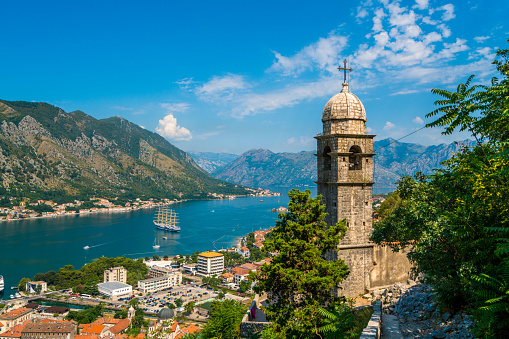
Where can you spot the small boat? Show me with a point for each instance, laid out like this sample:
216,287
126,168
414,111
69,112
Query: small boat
165,238
11,296
156,246
213,211
86,247
17,295
261,200
14,287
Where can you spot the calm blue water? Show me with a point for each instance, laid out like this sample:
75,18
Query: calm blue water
32,246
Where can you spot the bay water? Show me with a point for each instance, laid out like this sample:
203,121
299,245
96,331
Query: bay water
28,247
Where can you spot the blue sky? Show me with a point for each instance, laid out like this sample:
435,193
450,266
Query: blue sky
229,76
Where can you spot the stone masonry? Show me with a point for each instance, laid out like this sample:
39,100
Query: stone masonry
345,180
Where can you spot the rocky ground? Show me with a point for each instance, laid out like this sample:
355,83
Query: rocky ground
418,315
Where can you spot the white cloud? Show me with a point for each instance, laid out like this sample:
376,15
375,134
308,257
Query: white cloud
322,55
422,4
448,12
389,125
302,140
481,39
169,128
407,91
142,126
418,121
369,130
221,87
253,103
185,83
362,13
178,107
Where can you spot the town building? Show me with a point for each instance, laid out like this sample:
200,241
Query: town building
15,317
240,274
158,271
226,277
31,286
49,330
160,283
345,181
116,274
244,251
114,290
190,268
210,263
14,332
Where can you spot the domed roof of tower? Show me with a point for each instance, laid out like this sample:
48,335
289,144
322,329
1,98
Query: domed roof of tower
344,105
165,313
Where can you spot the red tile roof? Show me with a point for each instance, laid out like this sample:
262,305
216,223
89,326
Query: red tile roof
15,313
14,332
92,329
120,326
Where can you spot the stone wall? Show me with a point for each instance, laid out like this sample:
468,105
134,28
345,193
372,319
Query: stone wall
389,267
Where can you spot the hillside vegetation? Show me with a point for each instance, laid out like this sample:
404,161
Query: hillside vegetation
46,153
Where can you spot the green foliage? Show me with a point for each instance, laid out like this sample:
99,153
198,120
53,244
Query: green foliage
179,302
122,314
225,319
233,258
457,218
244,285
189,307
155,257
211,281
386,208
86,316
92,273
22,284
300,279
493,306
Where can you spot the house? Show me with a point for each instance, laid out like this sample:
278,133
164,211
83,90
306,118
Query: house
91,329
32,286
227,277
63,311
15,317
251,267
190,268
210,264
14,332
114,289
245,252
49,330
240,274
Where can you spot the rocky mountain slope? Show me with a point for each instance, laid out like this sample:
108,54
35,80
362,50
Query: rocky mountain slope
263,168
47,152
211,161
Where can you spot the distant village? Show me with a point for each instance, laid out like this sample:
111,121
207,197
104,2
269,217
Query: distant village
27,210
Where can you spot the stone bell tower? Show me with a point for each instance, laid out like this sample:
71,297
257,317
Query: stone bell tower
345,180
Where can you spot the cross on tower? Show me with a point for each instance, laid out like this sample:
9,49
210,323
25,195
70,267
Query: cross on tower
344,69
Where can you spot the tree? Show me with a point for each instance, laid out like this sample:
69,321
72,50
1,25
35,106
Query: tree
190,307
224,321
171,306
122,314
220,295
244,285
155,257
299,280
22,284
165,257
457,219
179,302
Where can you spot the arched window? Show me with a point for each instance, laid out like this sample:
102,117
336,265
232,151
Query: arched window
327,160
355,158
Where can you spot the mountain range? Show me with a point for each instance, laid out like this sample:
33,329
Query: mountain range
263,168
48,153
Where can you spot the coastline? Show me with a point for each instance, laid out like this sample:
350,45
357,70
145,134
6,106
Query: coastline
125,209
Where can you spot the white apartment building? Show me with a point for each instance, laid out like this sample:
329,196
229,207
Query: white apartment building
210,263
158,271
160,283
31,286
116,274
114,290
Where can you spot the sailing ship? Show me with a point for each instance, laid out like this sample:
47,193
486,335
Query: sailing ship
166,219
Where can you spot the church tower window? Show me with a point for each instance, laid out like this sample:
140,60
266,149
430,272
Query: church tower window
355,158
327,160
